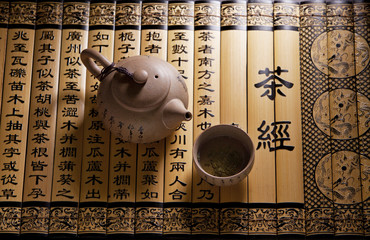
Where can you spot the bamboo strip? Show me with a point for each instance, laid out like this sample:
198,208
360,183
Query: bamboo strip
179,145
234,212
315,115
123,155
41,134
205,214
288,138
262,179
15,112
361,29
96,141
151,156
345,160
69,134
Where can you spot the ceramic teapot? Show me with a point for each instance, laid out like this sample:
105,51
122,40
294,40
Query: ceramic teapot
142,98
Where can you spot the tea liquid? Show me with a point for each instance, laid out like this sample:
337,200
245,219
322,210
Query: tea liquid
223,156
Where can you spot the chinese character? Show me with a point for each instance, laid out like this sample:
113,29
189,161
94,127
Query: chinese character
177,194
149,195
206,113
46,47
126,36
206,36
279,132
36,192
122,166
38,178
47,35
150,152
66,179
94,152
10,152
121,193
14,126
17,72
16,86
180,36
63,193
66,166
149,179
122,152
10,166
155,36
68,152
177,152
93,179
74,36
94,166
100,37
177,166
93,194
121,180
126,47
271,88
20,34
152,48
38,166
44,86
8,193
149,166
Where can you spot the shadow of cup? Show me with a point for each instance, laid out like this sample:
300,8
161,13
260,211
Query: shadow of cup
223,155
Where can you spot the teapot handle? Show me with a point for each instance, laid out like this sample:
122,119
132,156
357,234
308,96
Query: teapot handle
88,56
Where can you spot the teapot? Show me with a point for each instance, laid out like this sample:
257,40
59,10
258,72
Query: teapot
142,99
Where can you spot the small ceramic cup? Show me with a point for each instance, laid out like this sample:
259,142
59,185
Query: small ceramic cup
223,155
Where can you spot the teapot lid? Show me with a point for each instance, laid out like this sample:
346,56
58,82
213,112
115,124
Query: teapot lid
148,85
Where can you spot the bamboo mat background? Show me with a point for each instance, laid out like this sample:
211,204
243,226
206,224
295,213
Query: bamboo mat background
294,75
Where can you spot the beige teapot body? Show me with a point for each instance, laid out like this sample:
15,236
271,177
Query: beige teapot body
141,99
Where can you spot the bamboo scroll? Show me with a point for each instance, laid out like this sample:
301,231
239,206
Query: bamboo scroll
300,89
361,14
123,155
261,180
205,215
151,156
69,133
41,134
313,45
345,159
178,165
15,112
4,19
95,162
287,125
233,81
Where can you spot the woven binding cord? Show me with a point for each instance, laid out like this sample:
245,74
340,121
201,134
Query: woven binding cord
108,70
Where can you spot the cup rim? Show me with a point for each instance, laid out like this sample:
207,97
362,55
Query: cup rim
248,166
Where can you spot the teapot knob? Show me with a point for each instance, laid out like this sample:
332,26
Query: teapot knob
140,76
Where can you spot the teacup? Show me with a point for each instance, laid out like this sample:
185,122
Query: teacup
223,155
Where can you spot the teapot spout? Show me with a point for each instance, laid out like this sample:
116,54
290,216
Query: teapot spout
174,113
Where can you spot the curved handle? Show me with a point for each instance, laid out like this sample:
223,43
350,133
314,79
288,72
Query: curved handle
87,57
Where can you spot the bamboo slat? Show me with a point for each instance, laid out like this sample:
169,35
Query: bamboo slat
233,101
206,86
151,156
96,140
41,134
262,179
15,112
179,145
123,155
288,138
70,117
